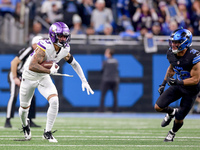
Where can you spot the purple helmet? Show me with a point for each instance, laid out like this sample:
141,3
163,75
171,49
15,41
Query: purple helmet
59,28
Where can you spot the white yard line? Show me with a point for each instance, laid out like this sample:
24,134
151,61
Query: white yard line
120,137
180,146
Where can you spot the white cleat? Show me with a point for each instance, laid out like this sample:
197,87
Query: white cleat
49,136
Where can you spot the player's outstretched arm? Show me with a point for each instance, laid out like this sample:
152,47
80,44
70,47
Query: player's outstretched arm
77,68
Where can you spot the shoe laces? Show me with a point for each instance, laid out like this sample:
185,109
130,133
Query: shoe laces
49,134
23,129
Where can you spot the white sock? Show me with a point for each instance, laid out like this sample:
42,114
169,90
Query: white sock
52,112
173,131
173,113
23,114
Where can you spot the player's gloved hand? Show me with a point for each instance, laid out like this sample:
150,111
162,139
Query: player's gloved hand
86,86
162,87
172,81
54,69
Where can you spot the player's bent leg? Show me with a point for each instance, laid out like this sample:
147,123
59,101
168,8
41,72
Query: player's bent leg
51,117
168,118
23,113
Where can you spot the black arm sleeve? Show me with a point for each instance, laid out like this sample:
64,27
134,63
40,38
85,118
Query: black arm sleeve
70,59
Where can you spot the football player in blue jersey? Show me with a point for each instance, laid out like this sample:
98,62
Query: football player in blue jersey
185,64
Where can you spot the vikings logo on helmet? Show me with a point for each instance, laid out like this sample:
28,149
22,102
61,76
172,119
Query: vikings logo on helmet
58,29
54,28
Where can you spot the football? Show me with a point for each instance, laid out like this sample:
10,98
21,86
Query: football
48,64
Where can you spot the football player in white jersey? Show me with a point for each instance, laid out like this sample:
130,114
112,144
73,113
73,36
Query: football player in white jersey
37,76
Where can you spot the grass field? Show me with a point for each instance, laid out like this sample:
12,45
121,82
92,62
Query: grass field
102,133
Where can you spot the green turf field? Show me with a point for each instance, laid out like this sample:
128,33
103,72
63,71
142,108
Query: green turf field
102,134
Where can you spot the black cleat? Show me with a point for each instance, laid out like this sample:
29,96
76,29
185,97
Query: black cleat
8,124
168,118
49,136
32,124
170,137
27,131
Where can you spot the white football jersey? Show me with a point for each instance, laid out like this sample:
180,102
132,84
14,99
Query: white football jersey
50,55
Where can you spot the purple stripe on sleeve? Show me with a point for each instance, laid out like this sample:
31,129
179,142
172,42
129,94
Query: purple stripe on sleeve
40,45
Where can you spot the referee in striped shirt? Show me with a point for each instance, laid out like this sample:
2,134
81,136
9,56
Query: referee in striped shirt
14,79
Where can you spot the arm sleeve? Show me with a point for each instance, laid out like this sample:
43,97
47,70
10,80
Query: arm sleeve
77,68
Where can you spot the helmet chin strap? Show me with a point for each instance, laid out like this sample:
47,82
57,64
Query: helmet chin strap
60,44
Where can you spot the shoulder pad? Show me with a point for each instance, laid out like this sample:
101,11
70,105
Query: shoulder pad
44,44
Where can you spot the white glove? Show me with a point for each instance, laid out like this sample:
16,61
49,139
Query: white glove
88,88
53,69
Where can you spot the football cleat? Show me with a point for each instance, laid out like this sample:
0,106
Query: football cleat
27,131
170,137
168,118
49,136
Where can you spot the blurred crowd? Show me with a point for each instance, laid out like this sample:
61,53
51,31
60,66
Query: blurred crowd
127,18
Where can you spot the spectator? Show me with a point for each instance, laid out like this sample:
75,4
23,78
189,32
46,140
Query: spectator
8,7
110,79
195,19
70,8
128,32
132,7
122,10
162,11
54,14
90,30
156,29
103,14
108,29
51,7
183,14
37,29
85,10
77,28
169,27
145,16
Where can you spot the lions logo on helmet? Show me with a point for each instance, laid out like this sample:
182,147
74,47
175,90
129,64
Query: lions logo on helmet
182,36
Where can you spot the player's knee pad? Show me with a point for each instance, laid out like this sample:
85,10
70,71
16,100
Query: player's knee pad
23,111
53,102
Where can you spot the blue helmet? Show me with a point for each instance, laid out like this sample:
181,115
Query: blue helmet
59,28
182,36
